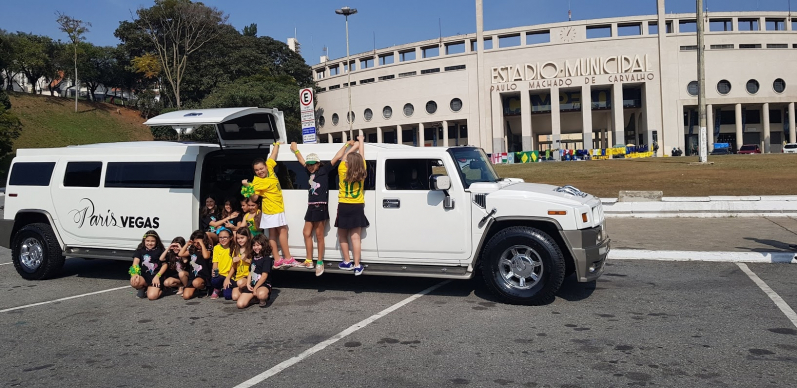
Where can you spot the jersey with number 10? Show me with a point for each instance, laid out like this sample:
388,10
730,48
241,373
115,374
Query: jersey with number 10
349,192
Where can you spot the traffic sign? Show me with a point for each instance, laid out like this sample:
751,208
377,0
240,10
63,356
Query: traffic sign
309,135
306,98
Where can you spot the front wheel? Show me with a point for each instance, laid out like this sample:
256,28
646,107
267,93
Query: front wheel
36,253
523,265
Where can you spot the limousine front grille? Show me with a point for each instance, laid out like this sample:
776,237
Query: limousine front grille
480,200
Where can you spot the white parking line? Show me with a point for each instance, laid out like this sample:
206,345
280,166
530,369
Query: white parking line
337,337
782,305
62,299
6,263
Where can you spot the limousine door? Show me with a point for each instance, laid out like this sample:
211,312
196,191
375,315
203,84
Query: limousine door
237,128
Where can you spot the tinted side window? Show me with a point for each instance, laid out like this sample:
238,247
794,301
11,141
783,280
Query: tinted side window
175,175
411,174
293,176
31,174
83,174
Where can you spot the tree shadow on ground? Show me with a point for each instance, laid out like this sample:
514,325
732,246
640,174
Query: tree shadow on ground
778,245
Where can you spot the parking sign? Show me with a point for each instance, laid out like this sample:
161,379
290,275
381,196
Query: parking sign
307,116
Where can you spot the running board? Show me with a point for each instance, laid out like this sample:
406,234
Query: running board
421,271
99,253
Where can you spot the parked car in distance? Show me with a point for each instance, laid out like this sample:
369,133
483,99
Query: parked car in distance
749,149
721,151
790,148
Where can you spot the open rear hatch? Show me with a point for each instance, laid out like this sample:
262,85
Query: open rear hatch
237,128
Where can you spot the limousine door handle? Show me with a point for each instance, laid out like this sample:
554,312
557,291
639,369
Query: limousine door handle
391,203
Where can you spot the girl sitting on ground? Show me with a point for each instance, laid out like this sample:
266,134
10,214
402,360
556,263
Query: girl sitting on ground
175,276
147,269
258,284
195,259
222,262
241,259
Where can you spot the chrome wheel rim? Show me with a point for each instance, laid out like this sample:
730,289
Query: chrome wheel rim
31,254
520,267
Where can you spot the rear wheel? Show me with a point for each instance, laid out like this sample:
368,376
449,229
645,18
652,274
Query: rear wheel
523,265
36,253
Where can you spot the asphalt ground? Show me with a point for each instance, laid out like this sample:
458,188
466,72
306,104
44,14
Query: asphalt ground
643,323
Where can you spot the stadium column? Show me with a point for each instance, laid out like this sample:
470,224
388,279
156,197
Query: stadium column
792,123
498,122
445,133
399,139
421,135
767,135
344,136
525,121
379,134
586,117
710,126
330,140
739,133
618,120
556,121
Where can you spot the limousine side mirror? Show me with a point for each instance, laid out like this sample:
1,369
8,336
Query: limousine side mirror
442,183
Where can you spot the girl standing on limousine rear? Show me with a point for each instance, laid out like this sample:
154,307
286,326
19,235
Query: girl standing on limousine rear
267,186
351,203
147,269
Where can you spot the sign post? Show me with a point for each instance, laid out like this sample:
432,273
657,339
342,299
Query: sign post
307,106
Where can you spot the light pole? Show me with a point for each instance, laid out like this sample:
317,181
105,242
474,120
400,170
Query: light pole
346,11
701,84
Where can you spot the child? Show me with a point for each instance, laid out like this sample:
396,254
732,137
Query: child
195,258
241,258
230,216
208,215
146,271
222,262
174,276
258,285
317,215
267,186
251,219
351,197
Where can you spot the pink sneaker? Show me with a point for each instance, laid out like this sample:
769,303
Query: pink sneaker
215,294
278,263
290,263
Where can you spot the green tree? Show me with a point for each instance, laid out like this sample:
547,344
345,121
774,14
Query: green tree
6,58
35,57
76,29
177,29
250,30
96,66
10,127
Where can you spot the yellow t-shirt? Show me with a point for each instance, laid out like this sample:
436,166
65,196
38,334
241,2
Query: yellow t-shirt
241,271
353,192
269,189
222,256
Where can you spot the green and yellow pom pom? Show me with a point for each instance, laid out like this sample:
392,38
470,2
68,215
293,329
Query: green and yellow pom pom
247,191
134,270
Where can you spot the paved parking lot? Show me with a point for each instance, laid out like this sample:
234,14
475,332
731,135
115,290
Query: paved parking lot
642,324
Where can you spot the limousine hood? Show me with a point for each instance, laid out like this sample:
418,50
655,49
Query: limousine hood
516,188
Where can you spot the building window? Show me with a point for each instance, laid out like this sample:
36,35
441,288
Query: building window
431,107
748,25
724,25
776,24
653,28
488,44
321,121
31,174
320,74
458,67
83,174
350,117
346,84
408,74
368,114
722,47
429,71
333,87
335,119
595,32
749,46
456,105
408,109
779,85
455,48
407,56
687,26
366,81
386,59
509,41
689,48
366,63
334,70
173,175
693,88
631,29
387,77
538,37
777,46
430,52
387,112
723,87
752,86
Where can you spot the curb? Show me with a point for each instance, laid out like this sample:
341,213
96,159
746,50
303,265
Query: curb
722,257
703,207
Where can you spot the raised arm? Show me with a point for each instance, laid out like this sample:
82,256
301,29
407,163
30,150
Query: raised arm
296,152
341,152
274,151
361,145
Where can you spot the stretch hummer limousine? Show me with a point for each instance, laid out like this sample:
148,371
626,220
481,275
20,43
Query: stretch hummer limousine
439,212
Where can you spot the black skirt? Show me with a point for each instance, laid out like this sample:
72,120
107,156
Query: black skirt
351,215
316,212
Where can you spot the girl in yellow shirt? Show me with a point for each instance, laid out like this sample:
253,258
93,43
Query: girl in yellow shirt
222,262
351,203
241,259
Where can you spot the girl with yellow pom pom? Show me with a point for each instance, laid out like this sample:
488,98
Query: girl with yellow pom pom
266,186
147,269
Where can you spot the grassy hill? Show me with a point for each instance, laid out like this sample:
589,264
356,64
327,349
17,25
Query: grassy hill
52,122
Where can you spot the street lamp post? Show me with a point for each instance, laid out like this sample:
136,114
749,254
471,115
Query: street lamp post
346,11
701,84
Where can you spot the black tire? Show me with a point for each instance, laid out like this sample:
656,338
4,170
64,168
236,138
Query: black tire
539,249
51,257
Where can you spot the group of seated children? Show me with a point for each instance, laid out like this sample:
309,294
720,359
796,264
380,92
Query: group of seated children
242,254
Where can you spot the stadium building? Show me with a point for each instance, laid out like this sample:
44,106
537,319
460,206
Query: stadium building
627,80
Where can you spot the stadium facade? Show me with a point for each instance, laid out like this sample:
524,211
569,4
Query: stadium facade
627,80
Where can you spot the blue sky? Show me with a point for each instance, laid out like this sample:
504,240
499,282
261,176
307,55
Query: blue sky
386,22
